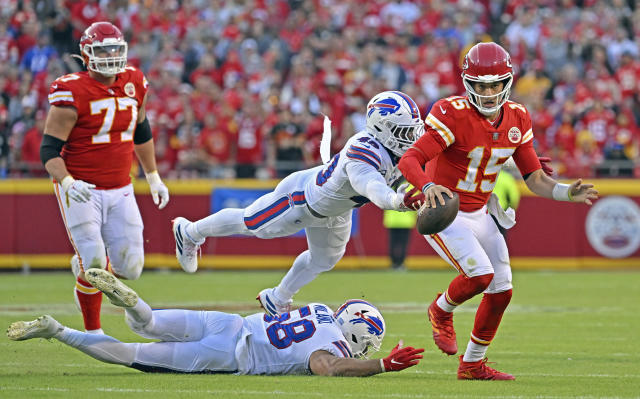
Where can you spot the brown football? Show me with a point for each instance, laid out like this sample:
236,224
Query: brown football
434,220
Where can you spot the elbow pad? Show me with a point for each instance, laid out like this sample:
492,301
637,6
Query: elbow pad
50,148
143,132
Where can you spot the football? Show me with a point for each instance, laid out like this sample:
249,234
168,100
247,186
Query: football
434,220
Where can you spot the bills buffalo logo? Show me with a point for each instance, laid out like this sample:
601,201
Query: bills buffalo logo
374,324
130,89
514,135
385,106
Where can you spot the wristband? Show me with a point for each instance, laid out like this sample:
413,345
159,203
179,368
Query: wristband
153,177
426,186
384,370
67,182
561,192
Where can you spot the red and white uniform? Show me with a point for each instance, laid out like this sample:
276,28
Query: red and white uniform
99,149
465,153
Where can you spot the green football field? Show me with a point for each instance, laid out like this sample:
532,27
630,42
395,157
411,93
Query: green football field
565,335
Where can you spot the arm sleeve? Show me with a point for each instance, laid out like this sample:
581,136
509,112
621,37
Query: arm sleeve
368,182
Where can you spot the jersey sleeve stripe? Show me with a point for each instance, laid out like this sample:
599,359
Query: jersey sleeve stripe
527,136
360,157
346,347
441,128
340,348
366,151
60,93
55,100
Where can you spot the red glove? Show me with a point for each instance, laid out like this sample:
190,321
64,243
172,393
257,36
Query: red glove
401,358
546,168
412,201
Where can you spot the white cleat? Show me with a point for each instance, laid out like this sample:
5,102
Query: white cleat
42,327
117,292
270,304
186,248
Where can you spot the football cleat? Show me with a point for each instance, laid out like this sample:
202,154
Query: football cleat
480,371
117,292
270,304
42,327
186,248
444,334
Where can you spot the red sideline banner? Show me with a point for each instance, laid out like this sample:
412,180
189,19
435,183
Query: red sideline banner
548,234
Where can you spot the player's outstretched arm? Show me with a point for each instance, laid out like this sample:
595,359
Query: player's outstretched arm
541,184
400,358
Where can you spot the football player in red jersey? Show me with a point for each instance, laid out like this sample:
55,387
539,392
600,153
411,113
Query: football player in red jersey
95,124
467,139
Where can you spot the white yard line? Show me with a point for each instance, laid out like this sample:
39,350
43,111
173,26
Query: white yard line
262,393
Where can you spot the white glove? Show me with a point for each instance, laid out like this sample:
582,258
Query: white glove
159,192
77,190
398,200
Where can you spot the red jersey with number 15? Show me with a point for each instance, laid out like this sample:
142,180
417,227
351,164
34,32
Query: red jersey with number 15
465,151
99,149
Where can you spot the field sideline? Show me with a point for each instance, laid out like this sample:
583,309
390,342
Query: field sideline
565,335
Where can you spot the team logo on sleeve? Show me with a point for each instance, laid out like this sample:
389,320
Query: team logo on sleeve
130,89
514,135
385,106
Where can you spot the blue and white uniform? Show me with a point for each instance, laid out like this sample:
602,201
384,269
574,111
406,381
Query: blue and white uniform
284,344
216,342
361,172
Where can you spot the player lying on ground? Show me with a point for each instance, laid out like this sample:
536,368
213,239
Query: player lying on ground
466,142
321,199
311,339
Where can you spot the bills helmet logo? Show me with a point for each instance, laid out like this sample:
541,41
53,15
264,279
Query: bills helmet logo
374,325
385,106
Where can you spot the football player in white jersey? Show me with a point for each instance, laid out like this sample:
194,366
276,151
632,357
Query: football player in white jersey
309,340
320,200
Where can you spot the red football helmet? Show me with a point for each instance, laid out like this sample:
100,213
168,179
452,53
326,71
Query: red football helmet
103,49
487,63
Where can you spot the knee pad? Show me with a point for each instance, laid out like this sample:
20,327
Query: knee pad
130,267
480,283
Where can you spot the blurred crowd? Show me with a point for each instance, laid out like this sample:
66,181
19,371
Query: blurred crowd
238,88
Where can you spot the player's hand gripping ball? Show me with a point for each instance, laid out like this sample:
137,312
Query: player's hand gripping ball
432,220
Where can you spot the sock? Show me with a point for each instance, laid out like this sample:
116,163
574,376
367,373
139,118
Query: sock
221,224
101,347
463,288
301,273
90,301
485,327
140,314
445,303
475,352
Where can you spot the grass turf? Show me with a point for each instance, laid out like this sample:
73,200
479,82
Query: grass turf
565,335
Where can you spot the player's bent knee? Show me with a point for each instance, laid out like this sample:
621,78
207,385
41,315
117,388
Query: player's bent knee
132,268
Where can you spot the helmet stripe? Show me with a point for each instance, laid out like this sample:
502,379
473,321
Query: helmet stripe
349,302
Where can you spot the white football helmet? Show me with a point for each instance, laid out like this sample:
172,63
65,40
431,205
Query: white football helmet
362,325
394,119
